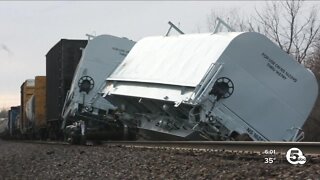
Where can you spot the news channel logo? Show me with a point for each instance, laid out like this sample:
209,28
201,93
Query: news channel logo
295,156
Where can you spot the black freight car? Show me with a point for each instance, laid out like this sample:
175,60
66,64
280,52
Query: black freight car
61,62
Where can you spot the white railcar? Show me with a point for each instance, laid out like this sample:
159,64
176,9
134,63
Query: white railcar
99,59
213,86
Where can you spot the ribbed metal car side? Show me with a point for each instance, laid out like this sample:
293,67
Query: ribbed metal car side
61,62
40,121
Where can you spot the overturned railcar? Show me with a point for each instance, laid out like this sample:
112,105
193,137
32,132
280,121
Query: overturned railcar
84,107
220,86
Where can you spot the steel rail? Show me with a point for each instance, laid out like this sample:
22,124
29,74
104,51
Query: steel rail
245,146
311,148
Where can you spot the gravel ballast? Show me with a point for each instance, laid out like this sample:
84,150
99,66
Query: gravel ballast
41,161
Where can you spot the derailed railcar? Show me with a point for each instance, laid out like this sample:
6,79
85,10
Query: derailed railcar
220,86
84,104
61,62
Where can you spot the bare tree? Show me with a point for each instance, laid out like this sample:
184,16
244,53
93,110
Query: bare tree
233,18
312,125
294,32
313,62
3,113
283,22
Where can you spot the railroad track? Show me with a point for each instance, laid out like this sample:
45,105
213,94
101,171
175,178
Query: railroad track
312,148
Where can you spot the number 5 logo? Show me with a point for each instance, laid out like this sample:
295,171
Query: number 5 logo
295,156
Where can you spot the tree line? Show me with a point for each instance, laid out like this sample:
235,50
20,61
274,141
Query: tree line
3,113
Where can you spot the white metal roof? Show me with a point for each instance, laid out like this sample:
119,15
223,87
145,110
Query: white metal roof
172,60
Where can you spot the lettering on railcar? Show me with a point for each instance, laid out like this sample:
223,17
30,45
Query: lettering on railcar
280,71
122,52
254,134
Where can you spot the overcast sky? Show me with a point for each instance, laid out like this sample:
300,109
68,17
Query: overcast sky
29,29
